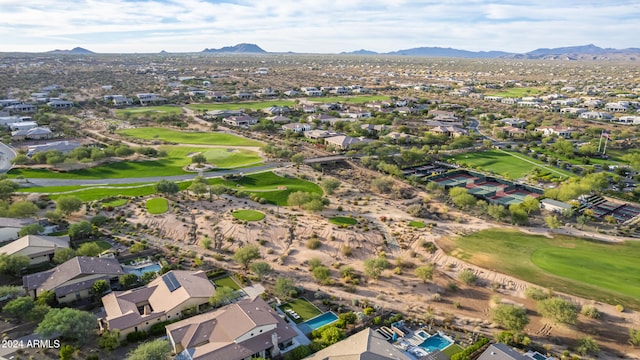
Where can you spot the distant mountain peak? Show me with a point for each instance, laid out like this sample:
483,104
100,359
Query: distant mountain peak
240,48
360,52
75,50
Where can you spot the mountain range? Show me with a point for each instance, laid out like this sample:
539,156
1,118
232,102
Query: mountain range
582,52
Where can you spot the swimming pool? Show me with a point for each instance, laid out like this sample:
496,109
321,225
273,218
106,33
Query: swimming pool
436,342
154,267
321,320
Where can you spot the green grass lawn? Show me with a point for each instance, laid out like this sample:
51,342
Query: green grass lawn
613,159
228,282
303,307
177,158
96,193
269,186
417,224
350,99
343,220
452,350
189,137
115,203
150,111
254,105
103,245
517,92
248,215
157,206
600,271
508,164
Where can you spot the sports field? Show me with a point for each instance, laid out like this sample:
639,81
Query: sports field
189,137
508,164
269,186
600,271
150,110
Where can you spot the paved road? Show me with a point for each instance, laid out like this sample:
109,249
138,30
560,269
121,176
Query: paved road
72,182
6,155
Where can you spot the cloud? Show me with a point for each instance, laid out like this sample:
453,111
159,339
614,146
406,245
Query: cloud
314,26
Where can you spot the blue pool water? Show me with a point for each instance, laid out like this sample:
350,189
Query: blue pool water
321,320
144,269
435,342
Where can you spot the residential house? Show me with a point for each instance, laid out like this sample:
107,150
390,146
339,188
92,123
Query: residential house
277,110
556,130
554,205
573,110
511,131
291,93
515,122
441,115
340,90
279,119
309,109
197,92
37,133
510,101
311,91
217,96
319,134
396,137
616,107
243,95
219,114
501,351
38,248
450,131
64,147
493,98
9,102
366,344
596,115
344,142
23,125
594,103
9,227
73,280
164,298
150,98
356,114
630,119
21,108
267,93
373,129
296,127
118,100
7,120
241,120
324,118
244,330
60,104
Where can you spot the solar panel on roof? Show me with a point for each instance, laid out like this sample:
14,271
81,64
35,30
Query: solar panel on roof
171,281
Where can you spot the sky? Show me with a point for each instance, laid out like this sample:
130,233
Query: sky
315,26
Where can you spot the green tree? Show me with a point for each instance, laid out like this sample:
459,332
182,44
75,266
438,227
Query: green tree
198,159
99,288
330,335
128,280
558,310
47,297
148,277
66,352
298,353
424,272
13,264
552,222
587,346
298,159
260,268
518,214
330,185
222,296
89,249
32,229
198,188
69,323
68,204
217,189
373,267
63,254
23,209
321,274
158,349
590,311
497,212
467,276
382,184
206,242
7,187
166,187
634,337
530,204
285,288
109,340
19,307
510,317
80,230
246,254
